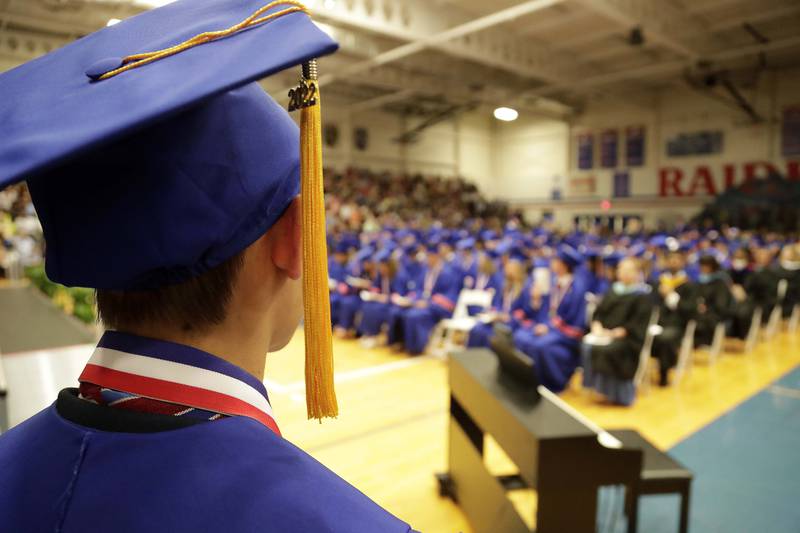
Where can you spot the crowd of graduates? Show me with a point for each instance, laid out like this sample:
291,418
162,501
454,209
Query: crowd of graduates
565,300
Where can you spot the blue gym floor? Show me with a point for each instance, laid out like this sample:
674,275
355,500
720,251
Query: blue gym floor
747,469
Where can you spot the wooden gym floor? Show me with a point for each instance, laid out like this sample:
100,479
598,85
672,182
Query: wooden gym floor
390,437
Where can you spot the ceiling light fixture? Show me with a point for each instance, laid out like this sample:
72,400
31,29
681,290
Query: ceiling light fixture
506,114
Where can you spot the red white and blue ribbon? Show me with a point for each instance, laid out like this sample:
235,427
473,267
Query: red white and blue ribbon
177,374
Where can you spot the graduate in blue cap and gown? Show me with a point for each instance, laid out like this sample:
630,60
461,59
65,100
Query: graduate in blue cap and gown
359,273
337,275
441,284
408,284
553,340
506,302
168,180
376,308
468,260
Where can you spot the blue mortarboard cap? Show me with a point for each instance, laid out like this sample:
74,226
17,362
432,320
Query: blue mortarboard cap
541,262
569,255
158,173
488,235
637,250
383,255
612,258
341,247
518,254
465,244
364,254
504,248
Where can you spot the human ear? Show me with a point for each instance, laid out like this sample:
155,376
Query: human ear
287,242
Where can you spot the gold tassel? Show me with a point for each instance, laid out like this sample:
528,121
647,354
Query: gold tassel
320,393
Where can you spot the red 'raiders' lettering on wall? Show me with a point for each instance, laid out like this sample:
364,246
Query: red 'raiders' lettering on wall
703,181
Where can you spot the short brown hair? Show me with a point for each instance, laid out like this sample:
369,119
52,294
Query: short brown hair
193,305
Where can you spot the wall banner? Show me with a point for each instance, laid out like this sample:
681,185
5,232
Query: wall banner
695,143
622,184
790,131
609,141
634,146
585,151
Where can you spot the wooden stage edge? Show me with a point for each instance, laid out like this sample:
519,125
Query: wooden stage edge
391,437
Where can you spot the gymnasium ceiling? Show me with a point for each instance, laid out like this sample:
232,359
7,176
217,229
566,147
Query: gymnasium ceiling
549,57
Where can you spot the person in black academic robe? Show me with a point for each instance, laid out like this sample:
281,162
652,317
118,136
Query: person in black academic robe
789,269
741,266
714,300
619,326
676,299
760,290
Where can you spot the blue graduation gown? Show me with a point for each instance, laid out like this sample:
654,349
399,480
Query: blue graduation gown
418,322
338,273
233,475
85,467
349,299
410,282
481,334
556,354
375,314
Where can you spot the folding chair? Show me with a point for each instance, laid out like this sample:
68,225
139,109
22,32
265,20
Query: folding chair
642,370
717,343
442,339
777,312
591,306
794,319
755,328
684,364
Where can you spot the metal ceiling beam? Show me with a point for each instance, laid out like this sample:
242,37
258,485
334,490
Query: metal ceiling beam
68,19
422,24
757,16
380,101
560,20
669,66
702,7
660,21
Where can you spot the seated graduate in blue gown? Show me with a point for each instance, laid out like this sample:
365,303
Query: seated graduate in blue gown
375,311
468,260
337,275
171,186
441,284
552,339
611,352
506,301
411,272
359,272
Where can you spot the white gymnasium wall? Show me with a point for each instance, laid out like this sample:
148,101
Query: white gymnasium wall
461,146
529,158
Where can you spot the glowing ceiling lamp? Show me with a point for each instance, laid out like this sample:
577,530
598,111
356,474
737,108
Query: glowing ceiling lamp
506,114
